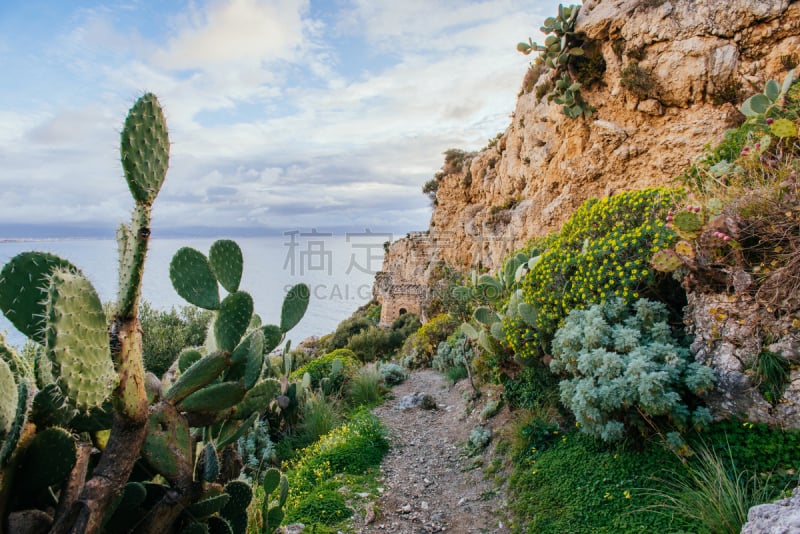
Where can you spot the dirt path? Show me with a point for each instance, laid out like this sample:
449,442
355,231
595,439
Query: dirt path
430,485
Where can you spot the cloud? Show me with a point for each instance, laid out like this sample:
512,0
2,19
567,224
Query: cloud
234,33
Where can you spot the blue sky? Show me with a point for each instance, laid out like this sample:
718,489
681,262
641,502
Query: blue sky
282,113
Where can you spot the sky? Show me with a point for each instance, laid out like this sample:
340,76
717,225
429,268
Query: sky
283,114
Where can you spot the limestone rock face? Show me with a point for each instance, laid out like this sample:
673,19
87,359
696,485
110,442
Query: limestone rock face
701,61
779,517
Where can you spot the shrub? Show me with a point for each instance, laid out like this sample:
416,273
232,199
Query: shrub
533,386
371,344
626,370
320,368
347,329
420,347
319,416
392,374
365,387
326,507
638,80
351,448
166,333
405,325
452,352
257,451
602,251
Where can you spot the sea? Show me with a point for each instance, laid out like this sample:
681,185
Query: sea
338,269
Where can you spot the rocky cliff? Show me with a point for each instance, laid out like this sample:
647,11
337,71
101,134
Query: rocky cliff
669,77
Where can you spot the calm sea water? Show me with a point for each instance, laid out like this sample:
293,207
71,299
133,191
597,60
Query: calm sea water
339,270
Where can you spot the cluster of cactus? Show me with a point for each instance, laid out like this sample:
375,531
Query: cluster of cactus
689,223
561,41
561,45
88,391
765,107
505,300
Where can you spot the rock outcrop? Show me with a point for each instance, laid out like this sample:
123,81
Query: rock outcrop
671,77
781,517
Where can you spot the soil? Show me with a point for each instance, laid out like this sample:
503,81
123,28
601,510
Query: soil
429,480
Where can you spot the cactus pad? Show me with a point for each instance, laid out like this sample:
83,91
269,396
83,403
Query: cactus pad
666,261
272,337
49,408
23,287
12,437
193,279
77,341
8,398
272,478
258,398
225,258
283,490
213,398
294,307
688,222
144,148
232,429
48,460
783,128
218,525
231,323
497,331
187,358
241,494
527,313
167,447
200,374
484,315
210,463
684,248
209,506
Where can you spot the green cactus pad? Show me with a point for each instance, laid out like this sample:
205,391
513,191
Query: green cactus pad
167,447
47,461
783,128
77,341
272,337
294,306
255,321
485,315
199,375
20,367
684,248
275,516
233,429
213,398
248,360
24,281
258,398
666,261
218,525
237,521
527,313
234,316
241,494
8,398
187,357
12,437
272,478
95,420
49,408
283,490
193,279
210,463
225,258
209,506
497,331
688,222
144,149
132,243
469,330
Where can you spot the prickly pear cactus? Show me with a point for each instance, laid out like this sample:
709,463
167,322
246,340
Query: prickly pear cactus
666,261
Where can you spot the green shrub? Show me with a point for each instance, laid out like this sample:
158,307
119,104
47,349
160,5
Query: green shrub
351,448
326,507
533,386
421,346
166,333
392,374
532,432
320,368
347,329
626,371
371,344
365,387
602,251
320,416
404,326
455,351
772,374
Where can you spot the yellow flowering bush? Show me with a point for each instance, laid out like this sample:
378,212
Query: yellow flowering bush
601,252
320,368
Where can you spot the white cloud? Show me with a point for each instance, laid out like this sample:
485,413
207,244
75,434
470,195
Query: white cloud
235,32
